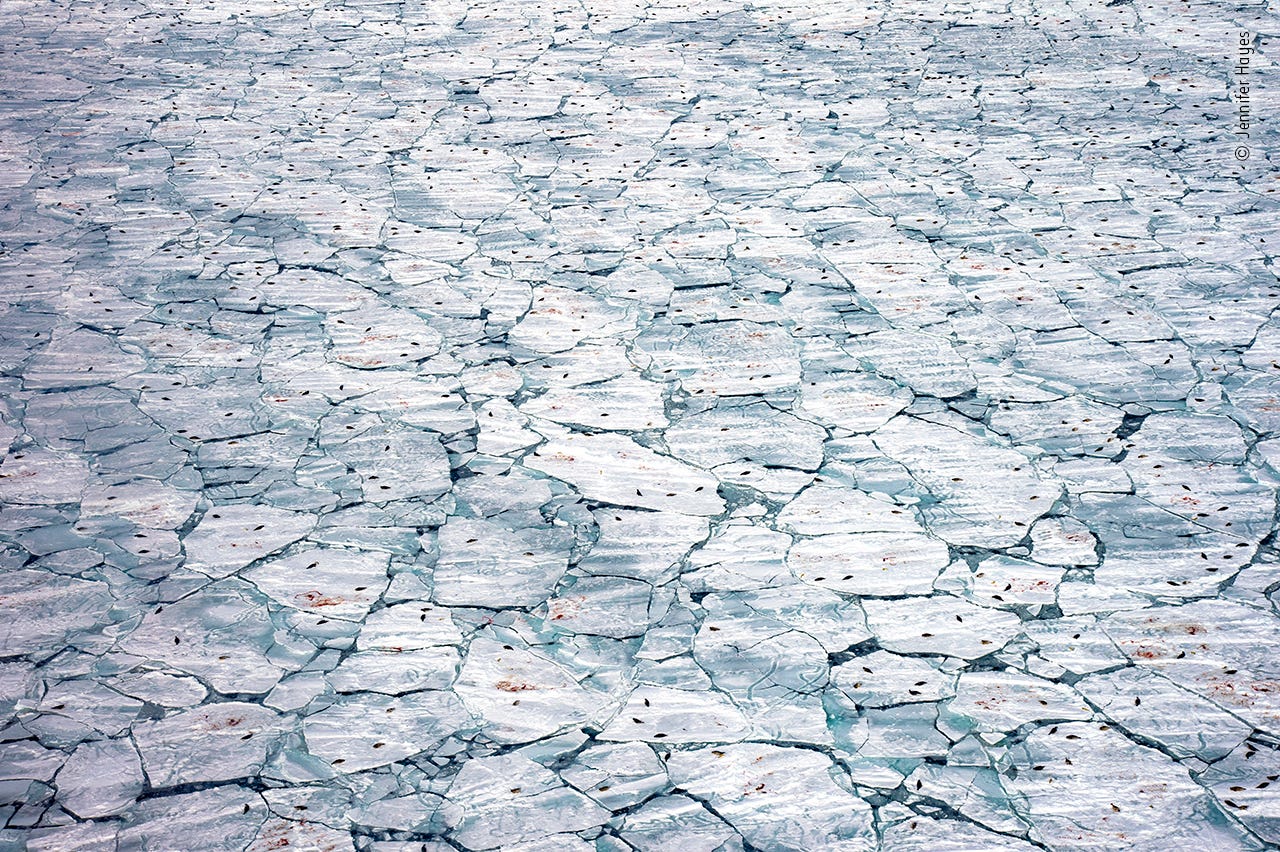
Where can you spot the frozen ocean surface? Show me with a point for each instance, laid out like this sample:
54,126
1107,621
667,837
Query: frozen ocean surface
551,427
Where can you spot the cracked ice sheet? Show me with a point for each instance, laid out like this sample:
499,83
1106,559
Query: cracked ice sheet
639,426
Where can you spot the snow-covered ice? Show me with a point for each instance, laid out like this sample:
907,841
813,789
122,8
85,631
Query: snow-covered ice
637,425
